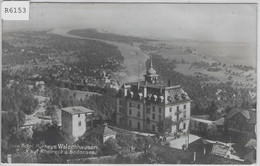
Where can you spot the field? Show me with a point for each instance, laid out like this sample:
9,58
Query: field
219,62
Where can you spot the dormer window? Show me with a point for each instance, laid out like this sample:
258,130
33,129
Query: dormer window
140,95
131,94
184,95
161,98
176,97
155,97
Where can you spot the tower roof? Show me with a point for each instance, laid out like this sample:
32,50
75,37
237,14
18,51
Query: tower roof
151,70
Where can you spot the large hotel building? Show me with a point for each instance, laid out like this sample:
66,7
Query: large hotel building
142,104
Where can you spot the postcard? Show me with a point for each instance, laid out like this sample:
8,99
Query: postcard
129,83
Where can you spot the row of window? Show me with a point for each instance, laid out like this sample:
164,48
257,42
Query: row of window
68,114
66,125
138,105
138,113
160,117
153,117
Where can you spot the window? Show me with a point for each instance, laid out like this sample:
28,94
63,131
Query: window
79,115
138,113
184,114
120,102
170,109
130,112
160,117
153,108
120,110
130,123
130,104
160,109
153,116
138,126
153,127
184,106
79,124
184,125
148,110
148,120
138,106
178,108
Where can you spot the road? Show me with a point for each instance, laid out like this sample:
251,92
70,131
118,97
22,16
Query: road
33,119
134,57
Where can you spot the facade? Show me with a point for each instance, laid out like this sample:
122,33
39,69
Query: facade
76,120
141,105
240,124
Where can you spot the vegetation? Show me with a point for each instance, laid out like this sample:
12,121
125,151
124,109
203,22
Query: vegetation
18,98
165,126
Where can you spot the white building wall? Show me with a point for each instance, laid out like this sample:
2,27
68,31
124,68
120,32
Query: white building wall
78,129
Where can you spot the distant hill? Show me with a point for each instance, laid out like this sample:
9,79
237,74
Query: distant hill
92,33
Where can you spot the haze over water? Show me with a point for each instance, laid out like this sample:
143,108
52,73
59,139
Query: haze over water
196,22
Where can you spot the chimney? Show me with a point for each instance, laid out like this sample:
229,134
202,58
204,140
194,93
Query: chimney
169,83
145,92
138,85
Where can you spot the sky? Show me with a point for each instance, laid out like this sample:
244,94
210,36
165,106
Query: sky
204,22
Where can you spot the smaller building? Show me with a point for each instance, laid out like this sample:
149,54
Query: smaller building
103,133
76,120
202,126
250,152
240,124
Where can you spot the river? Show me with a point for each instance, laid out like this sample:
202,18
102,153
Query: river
134,57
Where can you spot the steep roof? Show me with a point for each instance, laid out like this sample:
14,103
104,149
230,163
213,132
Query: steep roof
151,71
103,130
233,112
250,115
220,121
251,143
77,110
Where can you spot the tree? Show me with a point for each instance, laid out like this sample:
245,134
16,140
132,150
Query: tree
165,126
125,140
110,147
10,120
212,111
